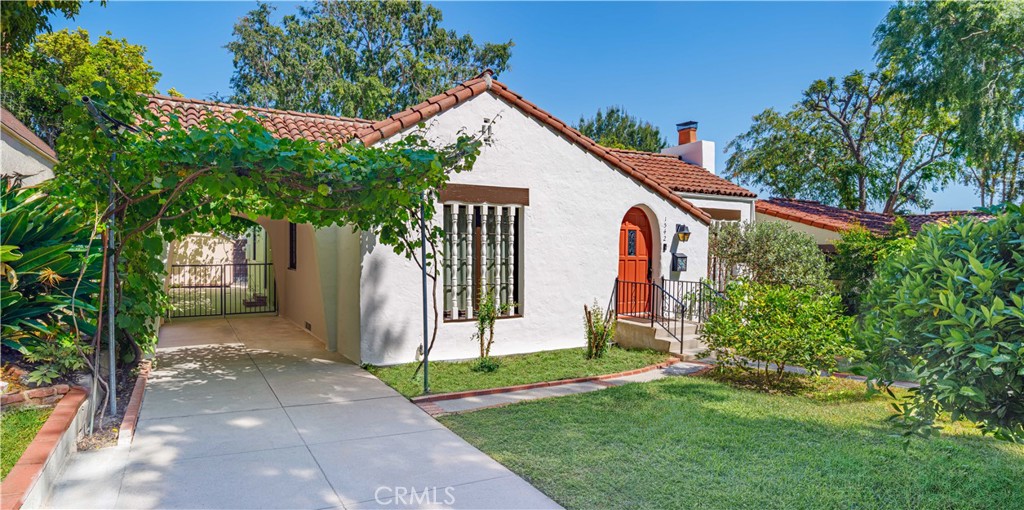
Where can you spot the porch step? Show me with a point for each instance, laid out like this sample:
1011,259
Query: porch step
638,333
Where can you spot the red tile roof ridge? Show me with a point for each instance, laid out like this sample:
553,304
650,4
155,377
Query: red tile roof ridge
261,109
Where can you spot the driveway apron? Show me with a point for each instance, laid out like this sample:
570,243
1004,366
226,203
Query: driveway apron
253,413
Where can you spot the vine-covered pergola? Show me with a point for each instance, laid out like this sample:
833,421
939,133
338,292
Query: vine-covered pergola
159,181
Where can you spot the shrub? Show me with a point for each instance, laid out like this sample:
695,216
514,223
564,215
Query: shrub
857,256
777,324
56,357
600,330
949,313
486,364
770,253
44,249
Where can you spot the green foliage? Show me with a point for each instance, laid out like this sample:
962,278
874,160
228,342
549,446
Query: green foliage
173,181
770,253
851,142
777,324
949,313
858,253
35,77
45,248
600,328
965,59
487,313
21,21
356,59
56,357
614,127
486,364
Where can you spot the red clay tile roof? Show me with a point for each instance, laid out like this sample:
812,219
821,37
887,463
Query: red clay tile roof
836,219
26,136
680,176
472,88
916,221
281,123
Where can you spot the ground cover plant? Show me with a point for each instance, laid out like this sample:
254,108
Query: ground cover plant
17,429
687,442
449,376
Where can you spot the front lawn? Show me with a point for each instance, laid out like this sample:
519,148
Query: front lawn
692,442
449,376
17,429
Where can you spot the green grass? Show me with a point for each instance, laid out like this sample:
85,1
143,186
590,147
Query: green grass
446,377
693,442
17,429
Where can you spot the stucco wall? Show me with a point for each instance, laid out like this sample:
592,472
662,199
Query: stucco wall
571,234
19,160
820,235
300,296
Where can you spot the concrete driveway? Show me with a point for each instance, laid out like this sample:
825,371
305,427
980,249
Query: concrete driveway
253,413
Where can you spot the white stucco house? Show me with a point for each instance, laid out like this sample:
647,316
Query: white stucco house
23,156
547,218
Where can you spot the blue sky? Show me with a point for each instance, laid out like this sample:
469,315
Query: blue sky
716,63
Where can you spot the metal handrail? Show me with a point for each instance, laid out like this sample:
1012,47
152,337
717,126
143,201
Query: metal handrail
647,300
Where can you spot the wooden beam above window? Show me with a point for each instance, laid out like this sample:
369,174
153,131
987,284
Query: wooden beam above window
471,193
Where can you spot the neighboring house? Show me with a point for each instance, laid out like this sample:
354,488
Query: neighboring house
547,217
826,223
24,156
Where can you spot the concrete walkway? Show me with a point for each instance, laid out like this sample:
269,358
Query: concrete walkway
457,405
253,413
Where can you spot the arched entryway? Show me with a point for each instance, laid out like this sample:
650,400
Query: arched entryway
635,262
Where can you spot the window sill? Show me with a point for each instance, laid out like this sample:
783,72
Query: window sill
448,321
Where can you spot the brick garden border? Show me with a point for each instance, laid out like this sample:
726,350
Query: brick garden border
508,389
55,435
126,432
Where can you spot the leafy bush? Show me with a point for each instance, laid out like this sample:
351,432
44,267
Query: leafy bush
950,314
486,364
770,253
56,357
857,255
600,330
44,249
777,324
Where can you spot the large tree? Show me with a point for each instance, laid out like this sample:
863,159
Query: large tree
851,142
966,58
359,59
21,21
34,77
614,127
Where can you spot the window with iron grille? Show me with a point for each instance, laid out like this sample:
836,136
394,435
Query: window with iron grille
482,253
292,241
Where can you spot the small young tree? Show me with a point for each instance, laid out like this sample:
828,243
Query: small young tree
949,314
487,314
779,325
770,253
600,330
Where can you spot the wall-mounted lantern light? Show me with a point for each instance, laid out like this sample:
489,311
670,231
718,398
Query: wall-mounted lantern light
683,233
678,262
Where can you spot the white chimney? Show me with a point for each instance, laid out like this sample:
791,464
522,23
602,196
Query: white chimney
692,150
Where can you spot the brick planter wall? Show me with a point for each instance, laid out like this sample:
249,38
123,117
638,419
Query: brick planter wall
47,395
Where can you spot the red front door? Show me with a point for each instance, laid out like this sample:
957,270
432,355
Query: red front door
634,263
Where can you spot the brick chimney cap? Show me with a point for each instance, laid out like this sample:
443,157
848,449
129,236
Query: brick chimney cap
690,124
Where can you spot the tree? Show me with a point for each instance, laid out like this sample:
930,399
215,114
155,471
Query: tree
965,58
356,59
949,315
613,127
21,21
851,143
770,253
34,78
